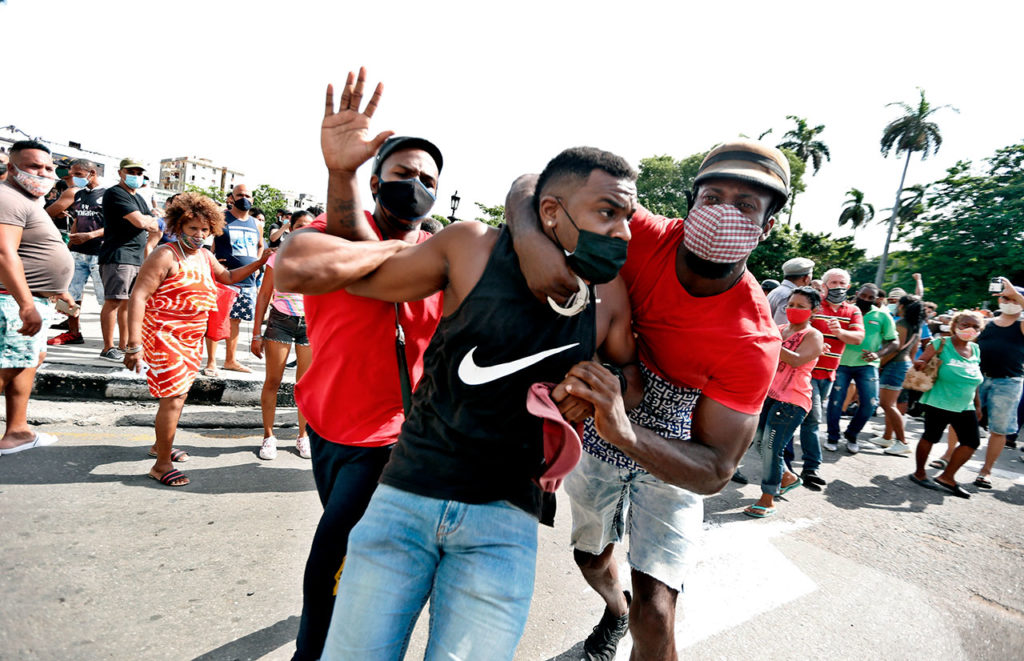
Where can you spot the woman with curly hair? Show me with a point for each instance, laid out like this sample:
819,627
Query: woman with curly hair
167,318
952,401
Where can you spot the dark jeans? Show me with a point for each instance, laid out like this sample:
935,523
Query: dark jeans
810,441
866,379
775,428
346,476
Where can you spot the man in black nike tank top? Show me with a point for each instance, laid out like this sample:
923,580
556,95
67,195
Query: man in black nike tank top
455,516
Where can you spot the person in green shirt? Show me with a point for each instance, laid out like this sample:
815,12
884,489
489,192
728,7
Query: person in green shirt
952,401
859,364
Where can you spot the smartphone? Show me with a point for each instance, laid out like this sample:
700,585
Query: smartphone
72,310
995,286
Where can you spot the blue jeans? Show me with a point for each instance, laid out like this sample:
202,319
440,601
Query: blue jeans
810,442
86,266
775,428
476,563
866,379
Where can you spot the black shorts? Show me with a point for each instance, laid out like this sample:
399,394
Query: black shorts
964,423
286,329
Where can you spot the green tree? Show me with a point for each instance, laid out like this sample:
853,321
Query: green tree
212,192
803,141
796,180
786,242
494,216
269,199
973,229
441,219
912,205
913,132
856,211
663,182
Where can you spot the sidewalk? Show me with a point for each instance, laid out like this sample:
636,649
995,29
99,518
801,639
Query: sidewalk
77,371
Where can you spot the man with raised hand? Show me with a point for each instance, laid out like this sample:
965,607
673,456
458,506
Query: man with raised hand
352,393
708,349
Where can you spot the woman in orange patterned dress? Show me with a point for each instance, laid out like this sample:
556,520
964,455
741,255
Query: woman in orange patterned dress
167,316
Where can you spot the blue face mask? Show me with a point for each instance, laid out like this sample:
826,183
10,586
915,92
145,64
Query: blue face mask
133,181
80,182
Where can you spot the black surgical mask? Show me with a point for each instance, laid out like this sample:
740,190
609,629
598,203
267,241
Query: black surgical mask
408,199
836,295
3,168
865,306
597,258
243,204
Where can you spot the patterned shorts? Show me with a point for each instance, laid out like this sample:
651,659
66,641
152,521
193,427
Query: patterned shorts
19,351
612,495
244,305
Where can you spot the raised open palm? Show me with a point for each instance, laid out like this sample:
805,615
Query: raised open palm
345,134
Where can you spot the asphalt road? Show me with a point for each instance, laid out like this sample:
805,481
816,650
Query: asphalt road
100,562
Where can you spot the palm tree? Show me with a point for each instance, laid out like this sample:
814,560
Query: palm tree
912,205
913,132
856,211
802,141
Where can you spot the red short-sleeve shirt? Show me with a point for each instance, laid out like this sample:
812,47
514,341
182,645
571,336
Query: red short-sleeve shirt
726,345
351,393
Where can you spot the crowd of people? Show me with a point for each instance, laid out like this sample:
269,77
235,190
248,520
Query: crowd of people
449,384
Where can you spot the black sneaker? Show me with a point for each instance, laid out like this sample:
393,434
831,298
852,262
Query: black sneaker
61,326
810,477
601,643
739,478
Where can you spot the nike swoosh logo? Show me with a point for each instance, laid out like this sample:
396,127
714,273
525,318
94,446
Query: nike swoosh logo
475,375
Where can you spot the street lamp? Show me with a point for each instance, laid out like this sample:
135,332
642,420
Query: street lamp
455,205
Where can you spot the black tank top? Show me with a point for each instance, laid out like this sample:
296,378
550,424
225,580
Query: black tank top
469,437
1002,350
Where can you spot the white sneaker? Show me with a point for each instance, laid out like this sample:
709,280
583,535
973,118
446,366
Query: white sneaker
898,448
268,450
880,441
302,445
831,446
852,447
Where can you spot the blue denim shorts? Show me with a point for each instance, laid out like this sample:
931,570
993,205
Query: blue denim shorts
286,328
19,351
1000,398
891,376
663,521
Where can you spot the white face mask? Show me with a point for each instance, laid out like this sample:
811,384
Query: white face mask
1009,308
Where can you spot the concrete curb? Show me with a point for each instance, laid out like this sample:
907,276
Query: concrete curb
79,385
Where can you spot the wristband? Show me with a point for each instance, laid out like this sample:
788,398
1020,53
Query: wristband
257,337
131,350
617,372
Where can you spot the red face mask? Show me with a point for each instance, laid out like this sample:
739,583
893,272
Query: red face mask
798,316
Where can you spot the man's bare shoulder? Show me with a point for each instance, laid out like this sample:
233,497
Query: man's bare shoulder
468,235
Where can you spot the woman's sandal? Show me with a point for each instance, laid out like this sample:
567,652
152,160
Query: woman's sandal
170,477
983,482
940,464
176,454
759,511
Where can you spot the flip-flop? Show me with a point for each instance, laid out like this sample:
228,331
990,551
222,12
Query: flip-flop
789,487
42,439
169,477
210,372
983,482
927,482
759,511
176,455
954,489
939,463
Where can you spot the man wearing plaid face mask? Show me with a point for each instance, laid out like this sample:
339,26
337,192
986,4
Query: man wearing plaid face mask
708,350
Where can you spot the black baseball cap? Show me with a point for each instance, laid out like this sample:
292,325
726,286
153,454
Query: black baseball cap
400,142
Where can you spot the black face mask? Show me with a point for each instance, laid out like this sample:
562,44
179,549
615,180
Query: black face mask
836,295
597,258
243,204
865,306
408,199
3,168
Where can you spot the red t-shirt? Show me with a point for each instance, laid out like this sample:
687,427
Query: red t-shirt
351,393
849,319
726,345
